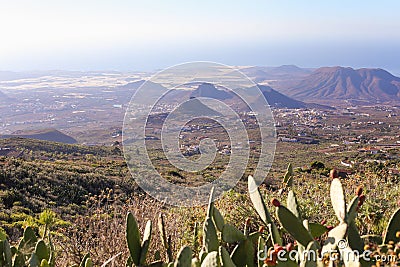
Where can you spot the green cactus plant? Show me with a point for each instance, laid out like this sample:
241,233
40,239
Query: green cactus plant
133,239
292,204
83,261
304,232
184,258
262,210
195,238
138,249
393,228
44,263
353,237
30,251
225,258
352,209
243,254
43,254
145,243
288,178
166,241
88,262
231,234
334,236
218,219
41,251
261,244
210,237
338,199
212,254
6,253
211,260
293,225
317,229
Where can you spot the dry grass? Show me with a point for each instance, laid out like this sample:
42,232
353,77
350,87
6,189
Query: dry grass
102,232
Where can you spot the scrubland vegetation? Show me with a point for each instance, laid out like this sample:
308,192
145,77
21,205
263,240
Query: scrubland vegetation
76,201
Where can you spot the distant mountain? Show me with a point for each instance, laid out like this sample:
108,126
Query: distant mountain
150,87
148,94
209,90
195,90
340,83
278,100
284,72
133,85
289,70
45,135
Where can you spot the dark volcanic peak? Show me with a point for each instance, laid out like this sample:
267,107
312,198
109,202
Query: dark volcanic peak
209,90
276,99
344,83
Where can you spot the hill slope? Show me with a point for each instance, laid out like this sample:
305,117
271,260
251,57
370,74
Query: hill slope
277,100
45,135
339,83
47,172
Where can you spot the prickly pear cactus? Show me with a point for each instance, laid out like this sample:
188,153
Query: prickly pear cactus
262,210
292,204
393,228
288,178
338,199
218,219
231,234
133,238
145,243
225,258
293,225
211,260
184,258
243,254
165,241
334,236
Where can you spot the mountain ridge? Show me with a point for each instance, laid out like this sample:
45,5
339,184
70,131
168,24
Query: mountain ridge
279,100
346,83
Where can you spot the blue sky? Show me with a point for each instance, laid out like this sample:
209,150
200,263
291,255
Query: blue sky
145,35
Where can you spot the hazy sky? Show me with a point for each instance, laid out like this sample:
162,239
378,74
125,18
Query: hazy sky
150,34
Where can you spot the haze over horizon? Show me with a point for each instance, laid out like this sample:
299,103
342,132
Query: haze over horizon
135,35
